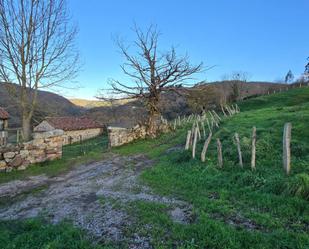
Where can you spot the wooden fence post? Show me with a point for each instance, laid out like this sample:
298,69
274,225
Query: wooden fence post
253,149
213,120
216,115
192,134
188,140
203,129
224,113
287,148
228,110
239,150
194,143
206,144
198,130
207,120
219,150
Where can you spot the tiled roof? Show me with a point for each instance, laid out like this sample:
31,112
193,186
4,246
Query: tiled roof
73,123
3,114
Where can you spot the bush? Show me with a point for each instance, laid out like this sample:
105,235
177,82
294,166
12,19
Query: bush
299,186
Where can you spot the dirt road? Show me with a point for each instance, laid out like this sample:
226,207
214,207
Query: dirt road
86,196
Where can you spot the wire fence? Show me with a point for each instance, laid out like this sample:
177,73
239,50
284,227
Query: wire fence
95,145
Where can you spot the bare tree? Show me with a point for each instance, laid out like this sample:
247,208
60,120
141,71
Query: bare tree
237,81
37,50
203,97
152,73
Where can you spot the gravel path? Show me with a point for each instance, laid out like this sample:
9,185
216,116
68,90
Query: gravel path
86,196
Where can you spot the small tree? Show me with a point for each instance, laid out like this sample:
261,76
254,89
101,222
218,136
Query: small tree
237,81
152,73
36,50
289,77
202,97
306,73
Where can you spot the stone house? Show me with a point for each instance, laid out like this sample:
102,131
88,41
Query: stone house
75,129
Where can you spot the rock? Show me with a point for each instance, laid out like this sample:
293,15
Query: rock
22,167
26,163
24,153
51,151
16,162
38,142
2,164
9,155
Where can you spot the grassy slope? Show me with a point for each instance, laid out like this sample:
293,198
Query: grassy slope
274,204
266,199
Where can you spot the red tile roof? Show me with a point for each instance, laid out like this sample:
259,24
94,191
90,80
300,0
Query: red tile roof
73,123
3,114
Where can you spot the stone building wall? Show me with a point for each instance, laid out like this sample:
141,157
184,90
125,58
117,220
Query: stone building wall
118,136
45,146
78,135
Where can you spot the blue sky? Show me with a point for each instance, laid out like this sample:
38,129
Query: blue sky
263,37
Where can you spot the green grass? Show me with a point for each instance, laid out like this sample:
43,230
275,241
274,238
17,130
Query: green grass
275,204
37,234
73,155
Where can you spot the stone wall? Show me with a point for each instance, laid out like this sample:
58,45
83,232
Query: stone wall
80,135
45,146
118,136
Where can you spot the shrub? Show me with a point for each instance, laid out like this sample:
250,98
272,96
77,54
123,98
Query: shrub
299,186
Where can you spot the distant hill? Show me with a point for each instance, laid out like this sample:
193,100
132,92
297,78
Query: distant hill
49,104
85,103
186,101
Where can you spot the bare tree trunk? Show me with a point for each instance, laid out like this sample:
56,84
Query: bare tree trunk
204,151
153,116
239,150
26,127
37,50
219,150
287,148
253,149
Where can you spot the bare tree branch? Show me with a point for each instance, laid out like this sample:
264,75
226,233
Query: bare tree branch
37,49
152,72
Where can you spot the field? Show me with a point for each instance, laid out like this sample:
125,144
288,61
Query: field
230,207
